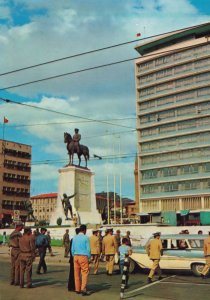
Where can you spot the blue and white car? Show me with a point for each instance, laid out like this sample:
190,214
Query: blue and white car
180,252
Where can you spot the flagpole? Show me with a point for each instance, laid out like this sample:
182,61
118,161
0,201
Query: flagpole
3,130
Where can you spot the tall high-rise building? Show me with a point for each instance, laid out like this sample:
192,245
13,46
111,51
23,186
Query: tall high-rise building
173,121
15,173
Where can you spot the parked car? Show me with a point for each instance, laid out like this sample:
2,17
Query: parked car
180,252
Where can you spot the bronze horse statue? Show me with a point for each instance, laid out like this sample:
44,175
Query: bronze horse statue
83,150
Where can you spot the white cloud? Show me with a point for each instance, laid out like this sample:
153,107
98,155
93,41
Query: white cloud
55,29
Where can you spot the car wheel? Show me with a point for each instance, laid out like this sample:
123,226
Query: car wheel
197,269
132,266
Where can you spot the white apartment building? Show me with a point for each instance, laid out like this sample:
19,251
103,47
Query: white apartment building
173,121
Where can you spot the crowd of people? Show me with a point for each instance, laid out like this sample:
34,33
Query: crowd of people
82,251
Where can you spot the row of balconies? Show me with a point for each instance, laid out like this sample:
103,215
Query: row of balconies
18,180
173,76
16,193
16,167
184,57
16,153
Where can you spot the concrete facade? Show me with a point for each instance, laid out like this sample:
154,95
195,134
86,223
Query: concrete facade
173,121
15,173
44,205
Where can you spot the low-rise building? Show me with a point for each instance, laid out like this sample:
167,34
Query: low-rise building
44,205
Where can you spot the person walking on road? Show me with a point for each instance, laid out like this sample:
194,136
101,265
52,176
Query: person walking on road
49,243
27,256
81,253
109,248
95,250
71,281
66,243
206,249
42,245
15,252
154,251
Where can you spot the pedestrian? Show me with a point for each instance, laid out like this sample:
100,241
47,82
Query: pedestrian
95,250
109,248
4,239
42,245
71,281
100,236
27,256
154,251
81,254
124,250
49,243
66,243
206,250
75,220
118,238
127,236
15,252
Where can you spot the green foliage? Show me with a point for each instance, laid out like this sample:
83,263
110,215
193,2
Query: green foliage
56,243
59,221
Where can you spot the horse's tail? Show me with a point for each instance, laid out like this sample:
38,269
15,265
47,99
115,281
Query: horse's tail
88,155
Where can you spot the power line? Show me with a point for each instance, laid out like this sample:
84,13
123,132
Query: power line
94,51
70,122
65,114
95,67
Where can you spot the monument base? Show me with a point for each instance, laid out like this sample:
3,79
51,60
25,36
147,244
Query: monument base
29,223
78,181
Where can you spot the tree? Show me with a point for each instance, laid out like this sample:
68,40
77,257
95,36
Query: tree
59,221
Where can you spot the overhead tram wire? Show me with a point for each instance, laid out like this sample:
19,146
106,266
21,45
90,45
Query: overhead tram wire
95,50
69,122
95,67
64,114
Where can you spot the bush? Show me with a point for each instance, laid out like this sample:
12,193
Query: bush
59,221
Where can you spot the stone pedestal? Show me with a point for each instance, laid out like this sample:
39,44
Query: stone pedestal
77,180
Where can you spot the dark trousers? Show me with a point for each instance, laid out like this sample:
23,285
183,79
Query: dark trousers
15,266
71,283
42,263
25,267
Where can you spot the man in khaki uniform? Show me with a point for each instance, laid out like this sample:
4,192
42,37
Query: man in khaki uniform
109,248
95,250
15,251
66,243
154,251
27,256
206,249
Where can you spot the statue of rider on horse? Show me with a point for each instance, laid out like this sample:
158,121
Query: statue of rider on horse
74,146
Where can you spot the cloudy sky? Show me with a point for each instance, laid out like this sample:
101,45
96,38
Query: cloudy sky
33,32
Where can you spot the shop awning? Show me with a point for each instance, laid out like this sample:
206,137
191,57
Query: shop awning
184,212
142,214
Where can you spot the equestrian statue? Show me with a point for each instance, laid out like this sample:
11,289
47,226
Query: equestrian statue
73,146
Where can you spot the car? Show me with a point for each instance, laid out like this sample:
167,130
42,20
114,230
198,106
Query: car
180,252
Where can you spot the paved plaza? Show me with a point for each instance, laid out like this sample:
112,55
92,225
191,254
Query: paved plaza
53,285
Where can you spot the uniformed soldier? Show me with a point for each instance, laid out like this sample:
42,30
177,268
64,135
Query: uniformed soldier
109,248
27,256
66,243
95,250
154,251
206,249
15,252
76,139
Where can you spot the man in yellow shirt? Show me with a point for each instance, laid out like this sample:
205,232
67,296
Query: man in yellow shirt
206,249
154,251
95,250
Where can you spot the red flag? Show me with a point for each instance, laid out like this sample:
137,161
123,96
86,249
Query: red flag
138,34
6,120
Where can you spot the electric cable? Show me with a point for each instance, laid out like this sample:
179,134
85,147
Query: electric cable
95,67
97,50
62,113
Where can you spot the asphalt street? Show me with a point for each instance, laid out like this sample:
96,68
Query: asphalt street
53,284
